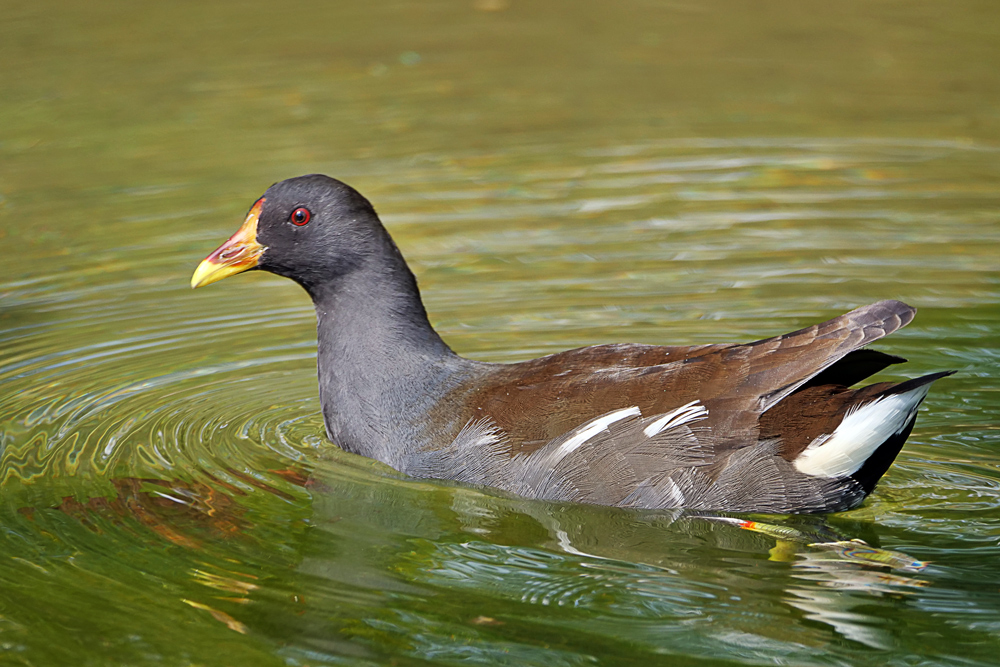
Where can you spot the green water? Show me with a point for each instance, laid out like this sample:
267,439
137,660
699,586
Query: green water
558,174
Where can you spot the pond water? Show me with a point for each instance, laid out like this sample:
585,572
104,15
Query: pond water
557,174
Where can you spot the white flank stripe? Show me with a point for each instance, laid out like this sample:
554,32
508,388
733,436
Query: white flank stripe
693,411
845,450
593,428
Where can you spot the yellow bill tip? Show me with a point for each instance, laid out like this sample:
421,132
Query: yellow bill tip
240,253
209,272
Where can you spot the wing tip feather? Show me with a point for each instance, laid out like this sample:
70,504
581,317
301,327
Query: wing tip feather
891,307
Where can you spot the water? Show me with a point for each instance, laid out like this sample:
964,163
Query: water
557,176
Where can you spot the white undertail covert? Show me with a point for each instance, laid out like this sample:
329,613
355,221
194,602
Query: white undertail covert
862,431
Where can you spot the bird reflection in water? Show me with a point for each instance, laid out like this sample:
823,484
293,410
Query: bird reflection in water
174,509
834,568
645,557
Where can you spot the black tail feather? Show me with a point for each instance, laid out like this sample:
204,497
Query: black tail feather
853,368
910,385
878,463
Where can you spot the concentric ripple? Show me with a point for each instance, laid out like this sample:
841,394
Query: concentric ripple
163,450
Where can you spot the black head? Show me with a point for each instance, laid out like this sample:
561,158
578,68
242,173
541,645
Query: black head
312,229
315,228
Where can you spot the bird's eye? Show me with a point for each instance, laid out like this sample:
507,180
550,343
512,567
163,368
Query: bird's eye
300,216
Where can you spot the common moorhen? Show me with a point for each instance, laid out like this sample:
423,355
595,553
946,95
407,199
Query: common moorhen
769,426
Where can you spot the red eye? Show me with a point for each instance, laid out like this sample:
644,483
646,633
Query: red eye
300,216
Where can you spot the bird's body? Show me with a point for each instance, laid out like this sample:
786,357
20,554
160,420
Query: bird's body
769,426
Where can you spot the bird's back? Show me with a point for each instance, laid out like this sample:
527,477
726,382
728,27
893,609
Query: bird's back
710,426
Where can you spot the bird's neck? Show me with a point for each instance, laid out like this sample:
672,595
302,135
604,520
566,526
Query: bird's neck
381,364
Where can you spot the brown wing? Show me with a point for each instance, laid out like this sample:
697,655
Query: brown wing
534,402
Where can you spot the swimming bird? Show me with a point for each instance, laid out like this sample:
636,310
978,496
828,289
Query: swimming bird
768,426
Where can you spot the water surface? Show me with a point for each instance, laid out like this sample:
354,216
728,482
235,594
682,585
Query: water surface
558,175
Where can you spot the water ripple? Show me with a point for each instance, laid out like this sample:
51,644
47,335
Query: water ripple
183,429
